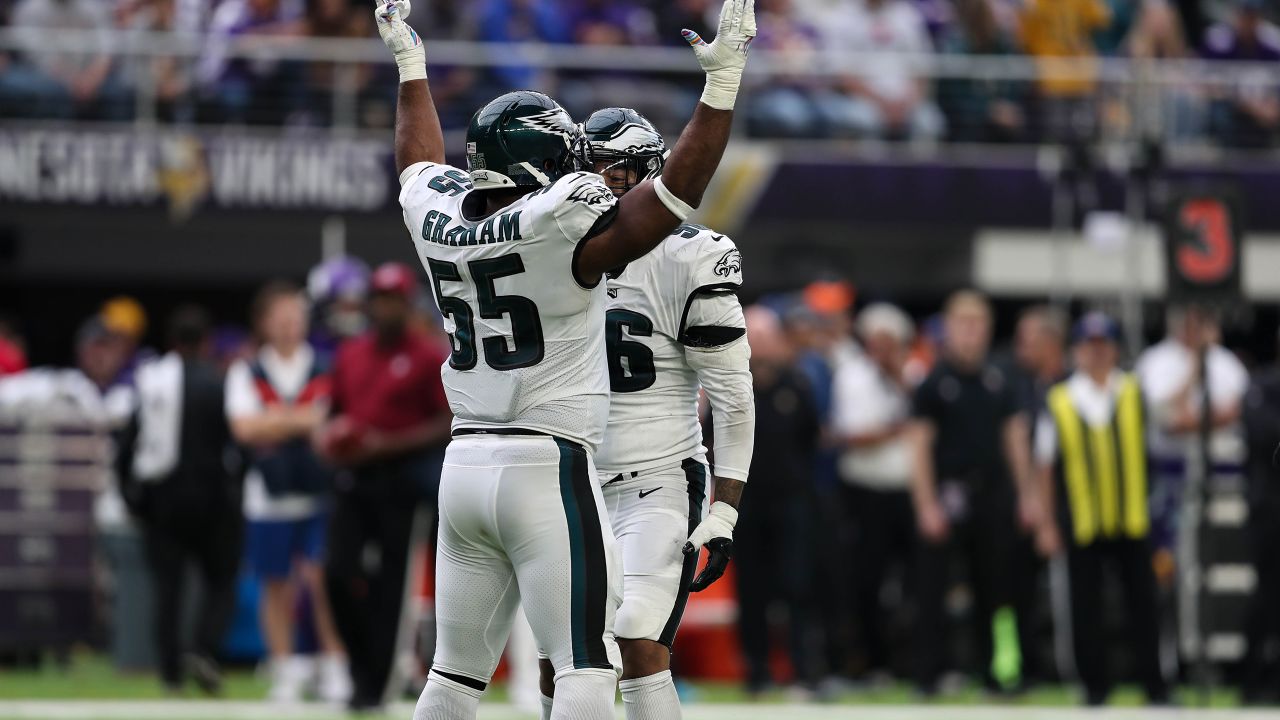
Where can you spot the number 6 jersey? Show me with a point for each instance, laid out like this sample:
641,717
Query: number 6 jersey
527,338
668,312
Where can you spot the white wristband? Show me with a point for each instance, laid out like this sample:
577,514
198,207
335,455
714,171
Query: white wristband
678,207
724,511
412,64
721,90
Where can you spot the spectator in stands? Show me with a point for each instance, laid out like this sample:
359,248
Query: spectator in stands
334,19
172,78
787,105
514,21
1059,34
1176,374
258,90
388,428
1170,110
453,87
886,96
970,454
673,16
1248,113
609,22
772,539
172,465
869,418
1124,16
1091,454
978,109
1260,679
60,84
274,403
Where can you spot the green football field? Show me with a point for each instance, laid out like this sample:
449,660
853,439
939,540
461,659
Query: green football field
89,689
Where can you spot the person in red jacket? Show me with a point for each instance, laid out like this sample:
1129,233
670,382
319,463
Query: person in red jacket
387,430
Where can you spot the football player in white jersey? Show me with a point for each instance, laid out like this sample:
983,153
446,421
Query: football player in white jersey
673,325
516,247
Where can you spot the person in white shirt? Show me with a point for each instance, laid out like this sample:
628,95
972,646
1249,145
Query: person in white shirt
275,401
887,94
1174,375
870,413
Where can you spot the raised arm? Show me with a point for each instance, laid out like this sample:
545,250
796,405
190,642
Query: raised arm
418,134
648,213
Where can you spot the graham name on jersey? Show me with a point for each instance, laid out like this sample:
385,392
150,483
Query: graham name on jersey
435,229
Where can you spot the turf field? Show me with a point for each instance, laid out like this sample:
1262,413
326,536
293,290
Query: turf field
241,710
89,689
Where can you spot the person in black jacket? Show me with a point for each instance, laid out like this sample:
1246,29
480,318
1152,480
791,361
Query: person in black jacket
774,537
972,487
1261,671
178,483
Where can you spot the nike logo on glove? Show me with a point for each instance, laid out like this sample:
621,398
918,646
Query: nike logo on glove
643,493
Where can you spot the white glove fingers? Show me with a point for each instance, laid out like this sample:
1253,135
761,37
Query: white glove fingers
735,28
726,17
749,20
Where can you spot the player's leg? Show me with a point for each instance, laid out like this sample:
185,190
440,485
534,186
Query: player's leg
476,592
652,517
562,548
546,685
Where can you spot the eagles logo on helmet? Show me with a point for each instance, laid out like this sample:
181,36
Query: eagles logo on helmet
525,140
624,147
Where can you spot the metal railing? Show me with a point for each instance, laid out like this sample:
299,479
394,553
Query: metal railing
1147,90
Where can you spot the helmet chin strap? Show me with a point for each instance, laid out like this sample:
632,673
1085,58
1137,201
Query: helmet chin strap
537,174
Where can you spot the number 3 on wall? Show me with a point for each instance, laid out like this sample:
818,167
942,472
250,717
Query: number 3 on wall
1207,253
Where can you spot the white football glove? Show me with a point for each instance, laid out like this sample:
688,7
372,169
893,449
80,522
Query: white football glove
726,57
716,532
401,39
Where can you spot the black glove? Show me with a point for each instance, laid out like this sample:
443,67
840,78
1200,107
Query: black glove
721,550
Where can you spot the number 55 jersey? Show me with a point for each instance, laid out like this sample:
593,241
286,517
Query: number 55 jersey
527,337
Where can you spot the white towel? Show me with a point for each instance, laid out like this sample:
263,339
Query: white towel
159,418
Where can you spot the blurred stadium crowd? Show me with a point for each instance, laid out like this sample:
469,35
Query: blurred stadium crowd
846,68
887,506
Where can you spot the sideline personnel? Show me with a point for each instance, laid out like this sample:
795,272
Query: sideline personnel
970,451
389,426
1091,450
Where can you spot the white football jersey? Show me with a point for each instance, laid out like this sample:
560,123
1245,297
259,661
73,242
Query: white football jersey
528,339
689,280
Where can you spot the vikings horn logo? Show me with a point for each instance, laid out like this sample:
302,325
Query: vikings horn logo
729,264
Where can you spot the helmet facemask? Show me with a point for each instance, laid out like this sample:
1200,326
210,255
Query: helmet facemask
622,171
625,148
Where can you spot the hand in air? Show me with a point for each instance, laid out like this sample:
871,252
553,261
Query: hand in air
724,59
